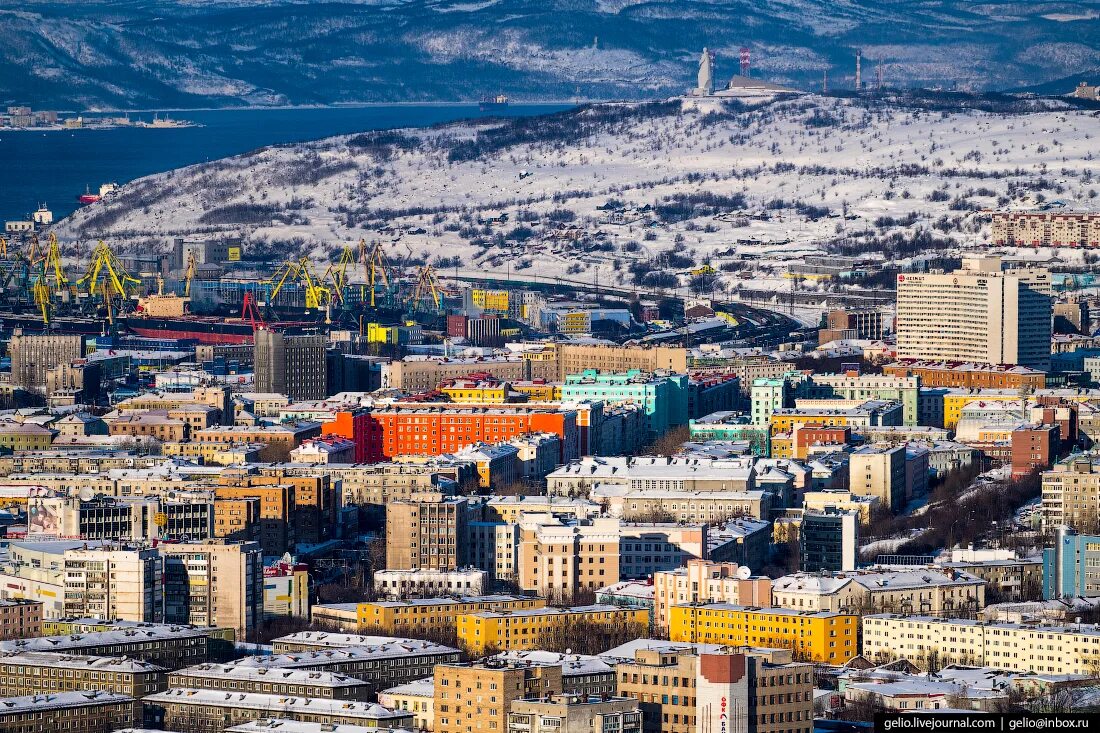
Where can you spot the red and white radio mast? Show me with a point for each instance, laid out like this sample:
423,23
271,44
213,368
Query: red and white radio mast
746,56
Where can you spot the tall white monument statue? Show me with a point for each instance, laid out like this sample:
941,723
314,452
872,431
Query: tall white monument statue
705,83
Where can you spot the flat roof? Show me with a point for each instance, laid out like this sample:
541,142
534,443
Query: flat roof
80,661
282,725
275,704
57,700
336,655
289,676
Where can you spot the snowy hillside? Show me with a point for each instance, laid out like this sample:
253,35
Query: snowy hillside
187,53
634,189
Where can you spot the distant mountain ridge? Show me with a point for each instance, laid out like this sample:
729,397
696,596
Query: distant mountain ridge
96,54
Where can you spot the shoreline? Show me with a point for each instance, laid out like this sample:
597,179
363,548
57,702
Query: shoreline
342,105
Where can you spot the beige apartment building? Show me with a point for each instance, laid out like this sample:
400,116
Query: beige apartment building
983,312
34,673
575,358
170,647
579,713
1071,494
424,373
427,531
695,507
20,618
381,483
477,698
702,581
1030,647
1057,228
215,582
690,688
114,583
558,560
33,356
378,661
879,471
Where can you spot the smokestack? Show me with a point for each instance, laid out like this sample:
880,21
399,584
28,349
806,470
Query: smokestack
859,77
825,82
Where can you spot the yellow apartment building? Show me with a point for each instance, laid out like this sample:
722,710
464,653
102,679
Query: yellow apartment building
521,630
401,618
820,636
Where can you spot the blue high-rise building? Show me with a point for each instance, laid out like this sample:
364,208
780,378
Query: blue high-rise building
1071,568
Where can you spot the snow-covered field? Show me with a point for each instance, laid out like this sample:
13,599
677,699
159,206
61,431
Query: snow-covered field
850,172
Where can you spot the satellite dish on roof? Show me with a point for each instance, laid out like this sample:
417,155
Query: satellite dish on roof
744,572
86,494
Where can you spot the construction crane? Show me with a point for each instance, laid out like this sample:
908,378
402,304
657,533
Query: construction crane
426,285
106,269
190,274
374,266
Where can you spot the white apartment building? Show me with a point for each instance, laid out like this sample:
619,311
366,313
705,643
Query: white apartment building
429,583
1065,650
984,312
926,591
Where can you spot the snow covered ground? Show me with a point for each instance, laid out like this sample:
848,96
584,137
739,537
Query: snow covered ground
847,171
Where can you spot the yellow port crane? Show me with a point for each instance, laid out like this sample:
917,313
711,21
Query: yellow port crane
426,285
315,293
41,291
52,263
105,268
337,274
374,267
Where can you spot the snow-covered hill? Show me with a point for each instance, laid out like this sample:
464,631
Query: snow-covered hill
629,188
164,53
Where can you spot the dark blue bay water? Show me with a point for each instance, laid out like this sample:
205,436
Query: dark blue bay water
54,167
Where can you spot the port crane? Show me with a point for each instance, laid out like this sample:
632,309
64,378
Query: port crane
426,285
374,267
189,275
52,263
336,276
41,291
105,270
300,271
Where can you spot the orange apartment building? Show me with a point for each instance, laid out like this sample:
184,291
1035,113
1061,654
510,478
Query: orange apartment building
960,374
433,430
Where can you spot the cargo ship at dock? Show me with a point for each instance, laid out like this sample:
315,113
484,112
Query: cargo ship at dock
33,323
207,329
168,317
